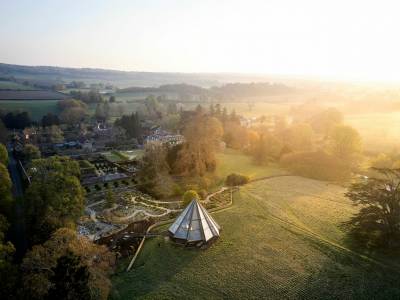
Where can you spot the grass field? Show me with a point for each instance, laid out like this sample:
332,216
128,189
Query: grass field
37,108
231,161
9,85
280,240
380,131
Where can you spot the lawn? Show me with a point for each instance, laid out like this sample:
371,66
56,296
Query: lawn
281,239
132,154
231,161
114,156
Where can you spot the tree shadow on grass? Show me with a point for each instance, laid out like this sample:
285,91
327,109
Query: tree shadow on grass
159,261
347,274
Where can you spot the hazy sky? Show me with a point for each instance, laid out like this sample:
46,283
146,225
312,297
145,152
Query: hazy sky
345,39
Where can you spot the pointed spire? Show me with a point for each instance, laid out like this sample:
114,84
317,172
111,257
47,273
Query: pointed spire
194,224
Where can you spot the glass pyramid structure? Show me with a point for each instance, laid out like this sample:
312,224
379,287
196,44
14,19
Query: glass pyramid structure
194,224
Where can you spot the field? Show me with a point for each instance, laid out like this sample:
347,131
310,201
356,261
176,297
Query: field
231,161
380,131
280,240
37,108
31,95
9,85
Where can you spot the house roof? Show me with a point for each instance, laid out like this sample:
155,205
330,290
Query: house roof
194,224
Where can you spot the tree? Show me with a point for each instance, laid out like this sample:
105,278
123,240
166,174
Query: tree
345,142
110,199
188,196
73,111
234,117
92,96
171,122
172,108
267,148
30,152
73,115
112,99
299,137
50,119
70,278
131,124
67,261
217,110
6,199
326,120
3,155
224,116
8,271
212,110
71,103
3,132
53,134
55,197
153,107
154,171
236,179
316,164
99,114
260,151
378,221
17,120
197,155
235,135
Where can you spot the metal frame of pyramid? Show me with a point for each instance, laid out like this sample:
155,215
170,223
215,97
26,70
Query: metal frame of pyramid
194,225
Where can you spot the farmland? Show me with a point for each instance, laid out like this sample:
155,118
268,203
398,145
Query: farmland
280,239
36,108
31,95
10,85
36,102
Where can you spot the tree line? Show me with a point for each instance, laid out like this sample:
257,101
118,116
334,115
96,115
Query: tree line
55,262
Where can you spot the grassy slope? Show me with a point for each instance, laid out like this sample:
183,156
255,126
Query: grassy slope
280,240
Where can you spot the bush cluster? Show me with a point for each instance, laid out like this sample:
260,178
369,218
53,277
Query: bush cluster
236,179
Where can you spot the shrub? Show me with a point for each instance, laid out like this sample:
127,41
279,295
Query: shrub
317,165
97,187
188,196
236,179
177,190
203,194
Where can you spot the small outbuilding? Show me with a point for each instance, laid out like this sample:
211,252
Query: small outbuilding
194,226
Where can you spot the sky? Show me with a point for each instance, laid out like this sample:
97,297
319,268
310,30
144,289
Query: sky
338,39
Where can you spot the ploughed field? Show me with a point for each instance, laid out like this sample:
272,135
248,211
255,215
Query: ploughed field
280,239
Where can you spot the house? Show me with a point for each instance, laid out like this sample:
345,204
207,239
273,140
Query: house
87,146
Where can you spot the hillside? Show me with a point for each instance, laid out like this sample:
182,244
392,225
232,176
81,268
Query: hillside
281,240
121,79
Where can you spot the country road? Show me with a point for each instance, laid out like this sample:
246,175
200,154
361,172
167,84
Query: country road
14,174
18,224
